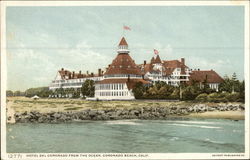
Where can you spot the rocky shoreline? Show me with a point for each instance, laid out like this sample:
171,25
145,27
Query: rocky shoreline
149,113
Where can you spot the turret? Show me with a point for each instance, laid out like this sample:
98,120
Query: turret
123,46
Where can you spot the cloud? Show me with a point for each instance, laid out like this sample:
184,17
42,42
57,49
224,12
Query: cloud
37,67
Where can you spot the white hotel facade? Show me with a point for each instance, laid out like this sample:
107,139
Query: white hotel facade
117,81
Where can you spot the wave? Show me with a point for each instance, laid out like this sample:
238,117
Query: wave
218,142
194,122
122,122
174,138
197,126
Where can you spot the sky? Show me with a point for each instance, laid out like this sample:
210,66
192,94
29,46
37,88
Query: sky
42,40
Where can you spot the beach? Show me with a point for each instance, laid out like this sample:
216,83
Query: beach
64,110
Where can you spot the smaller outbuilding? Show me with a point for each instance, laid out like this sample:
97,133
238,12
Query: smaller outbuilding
35,97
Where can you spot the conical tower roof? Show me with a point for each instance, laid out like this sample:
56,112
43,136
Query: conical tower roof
157,59
123,63
152,60
123,42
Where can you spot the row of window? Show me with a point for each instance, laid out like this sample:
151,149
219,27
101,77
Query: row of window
115,86
122,93
65,84
123,75
77,80
214,86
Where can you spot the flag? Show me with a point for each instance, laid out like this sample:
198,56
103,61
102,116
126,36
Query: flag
126,27
156,52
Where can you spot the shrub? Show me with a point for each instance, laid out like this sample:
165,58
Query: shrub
202,97
217,97
233,97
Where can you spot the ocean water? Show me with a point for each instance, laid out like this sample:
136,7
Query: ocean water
128,136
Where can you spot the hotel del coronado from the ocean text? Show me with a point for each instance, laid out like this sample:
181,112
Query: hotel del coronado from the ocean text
118,79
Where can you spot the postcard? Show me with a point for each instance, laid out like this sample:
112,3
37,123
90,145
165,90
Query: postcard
124,80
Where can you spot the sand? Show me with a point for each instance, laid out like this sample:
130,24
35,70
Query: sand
22,104
235,115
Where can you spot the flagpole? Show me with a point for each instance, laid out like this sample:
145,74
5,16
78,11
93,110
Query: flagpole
123,30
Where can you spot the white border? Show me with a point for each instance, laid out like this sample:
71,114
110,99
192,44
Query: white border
4,4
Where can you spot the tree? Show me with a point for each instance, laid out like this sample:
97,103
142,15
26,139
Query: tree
230,84
9,93
17,93
88,88
138,90
190,92
242,91
226,85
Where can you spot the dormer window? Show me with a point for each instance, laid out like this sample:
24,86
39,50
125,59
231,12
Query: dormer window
128,66
120,66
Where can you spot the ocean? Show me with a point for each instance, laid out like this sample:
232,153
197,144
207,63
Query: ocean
128,136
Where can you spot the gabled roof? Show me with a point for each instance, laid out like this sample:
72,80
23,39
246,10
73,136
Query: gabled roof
123,42
174,64
202,76
148,68
171,65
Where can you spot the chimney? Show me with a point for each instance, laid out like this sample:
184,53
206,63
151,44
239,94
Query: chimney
109,65
145,62
92,74
73,74
69,75
183,61
87,72
198,69
99,72
62,69
80,72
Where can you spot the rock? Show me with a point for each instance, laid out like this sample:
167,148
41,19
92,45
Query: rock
41,119
57,115
241,107
211,109
134,112
173,108
92,113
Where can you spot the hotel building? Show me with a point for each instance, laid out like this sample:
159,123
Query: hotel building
118,79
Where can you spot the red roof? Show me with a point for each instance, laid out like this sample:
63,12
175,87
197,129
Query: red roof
171,65
148,68
202,76
123,64
157,59
152,60
123,42
65,74
130,83
174,64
